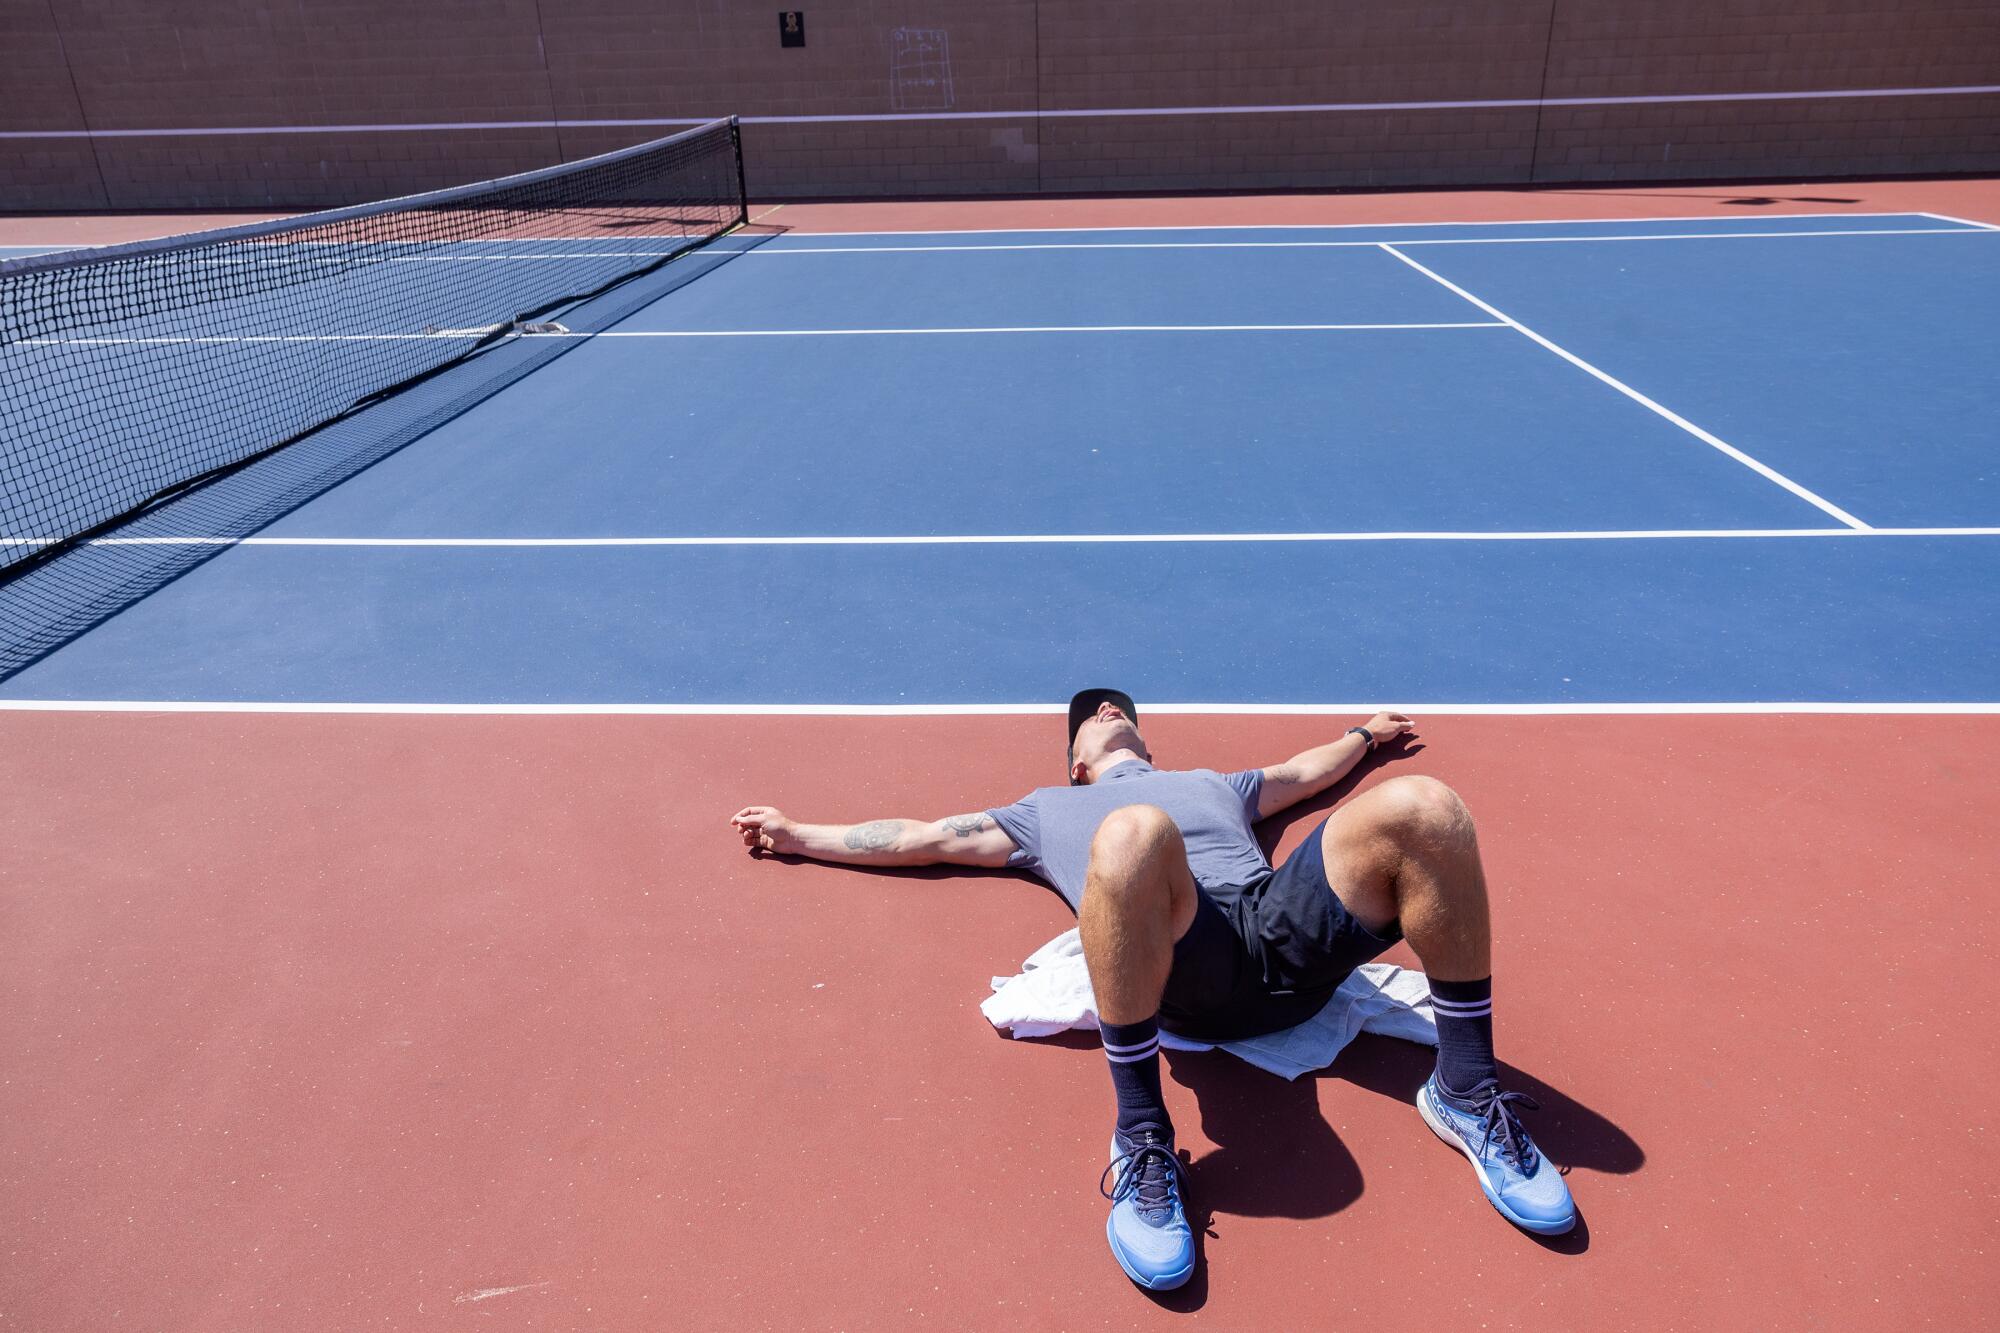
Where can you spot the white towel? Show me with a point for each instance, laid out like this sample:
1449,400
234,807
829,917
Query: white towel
1051,994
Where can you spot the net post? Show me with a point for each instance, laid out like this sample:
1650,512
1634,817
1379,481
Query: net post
742,190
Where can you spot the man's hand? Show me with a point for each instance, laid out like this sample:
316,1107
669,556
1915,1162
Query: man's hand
1308,774
765,829
967,840
1385,727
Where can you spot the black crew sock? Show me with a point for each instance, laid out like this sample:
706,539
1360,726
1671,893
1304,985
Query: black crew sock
1464,1012
1134,1052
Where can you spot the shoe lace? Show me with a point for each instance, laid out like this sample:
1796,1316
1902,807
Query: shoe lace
1151,1172
1502,1127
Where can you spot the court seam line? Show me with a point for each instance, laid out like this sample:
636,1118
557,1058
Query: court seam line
1768,473
1046,539
1602,709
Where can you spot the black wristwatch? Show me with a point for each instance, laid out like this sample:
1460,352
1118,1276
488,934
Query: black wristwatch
1364,734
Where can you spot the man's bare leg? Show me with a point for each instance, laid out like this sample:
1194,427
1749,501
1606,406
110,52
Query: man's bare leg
1138,899
1405,853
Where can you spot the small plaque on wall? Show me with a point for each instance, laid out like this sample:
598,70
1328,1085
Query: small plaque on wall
791,27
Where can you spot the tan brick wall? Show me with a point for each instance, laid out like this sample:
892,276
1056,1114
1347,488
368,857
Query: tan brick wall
1164,53
34,71
1636,48
159,64
623,59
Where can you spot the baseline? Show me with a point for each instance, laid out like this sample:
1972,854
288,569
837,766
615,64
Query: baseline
774,251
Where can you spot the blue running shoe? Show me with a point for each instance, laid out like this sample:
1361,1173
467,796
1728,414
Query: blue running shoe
1149,1231
1525,1186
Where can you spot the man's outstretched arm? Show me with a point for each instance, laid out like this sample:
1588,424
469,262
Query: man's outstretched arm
1311,772
966,840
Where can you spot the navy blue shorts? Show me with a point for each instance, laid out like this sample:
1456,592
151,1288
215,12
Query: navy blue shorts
1266,956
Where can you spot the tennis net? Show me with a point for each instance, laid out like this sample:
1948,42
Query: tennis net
132,374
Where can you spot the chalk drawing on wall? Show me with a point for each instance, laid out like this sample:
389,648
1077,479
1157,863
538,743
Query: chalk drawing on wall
920,69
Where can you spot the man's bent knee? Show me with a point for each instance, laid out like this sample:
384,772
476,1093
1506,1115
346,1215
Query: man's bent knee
1132,833
1135,855
1423,807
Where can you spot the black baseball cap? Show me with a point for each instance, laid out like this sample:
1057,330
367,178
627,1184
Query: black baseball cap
1084,706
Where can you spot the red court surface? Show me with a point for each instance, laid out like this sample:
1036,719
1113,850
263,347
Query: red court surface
458,1021
419,1021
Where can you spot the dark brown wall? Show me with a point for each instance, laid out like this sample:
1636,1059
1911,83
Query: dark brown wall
234,64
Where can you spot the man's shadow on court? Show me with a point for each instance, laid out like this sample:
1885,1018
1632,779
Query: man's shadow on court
1276,1155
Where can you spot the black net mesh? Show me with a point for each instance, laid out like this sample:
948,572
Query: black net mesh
130,374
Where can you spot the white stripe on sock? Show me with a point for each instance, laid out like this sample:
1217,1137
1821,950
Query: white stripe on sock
1153,1040
1461,1009
1133,1055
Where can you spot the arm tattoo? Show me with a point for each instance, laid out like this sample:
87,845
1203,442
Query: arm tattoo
967,825
873,837
1282,773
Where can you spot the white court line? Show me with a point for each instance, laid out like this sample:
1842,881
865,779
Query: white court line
748,333
772,251
1028,328
1043,538
1967,222
1419,710
1369,226
1768,473
460,335
509,257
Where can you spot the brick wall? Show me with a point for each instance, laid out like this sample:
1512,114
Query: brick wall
1631,50
518,75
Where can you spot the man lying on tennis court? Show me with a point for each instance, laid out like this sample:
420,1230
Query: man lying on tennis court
1185,925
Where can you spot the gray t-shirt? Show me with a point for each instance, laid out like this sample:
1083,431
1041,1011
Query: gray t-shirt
1053,826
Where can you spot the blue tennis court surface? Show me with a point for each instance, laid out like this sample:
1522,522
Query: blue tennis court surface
1609,462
